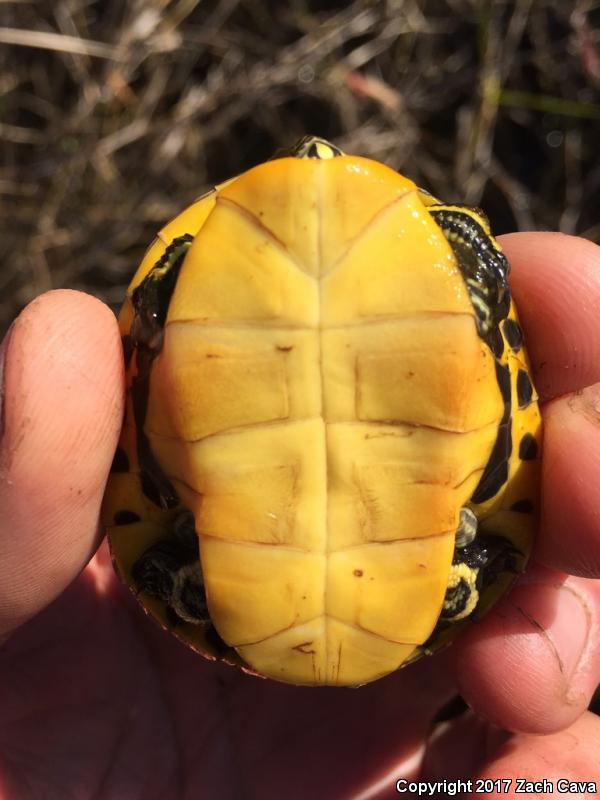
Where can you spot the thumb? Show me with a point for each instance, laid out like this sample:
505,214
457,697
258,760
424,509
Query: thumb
62,388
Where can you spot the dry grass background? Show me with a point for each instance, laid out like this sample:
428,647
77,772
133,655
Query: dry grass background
114,115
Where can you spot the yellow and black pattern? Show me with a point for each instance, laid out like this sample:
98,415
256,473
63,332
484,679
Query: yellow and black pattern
152,530
153,545
505,500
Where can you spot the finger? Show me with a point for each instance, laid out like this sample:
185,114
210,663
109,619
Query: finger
556,283
558,759
459,746
62,413
533,663
555,280
570,523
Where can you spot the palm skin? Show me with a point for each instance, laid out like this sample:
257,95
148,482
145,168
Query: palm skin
97,702
107,705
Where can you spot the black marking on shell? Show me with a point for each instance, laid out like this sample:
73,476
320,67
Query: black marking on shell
120,461
524,506
485,271
503,377
524,389
496,342
495,473
513,334
504,306
126,517
528,448
151,303
484,267
152,297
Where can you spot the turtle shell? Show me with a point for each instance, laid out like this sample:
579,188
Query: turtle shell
329,462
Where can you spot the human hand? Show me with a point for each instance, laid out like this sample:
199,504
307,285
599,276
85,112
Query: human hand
96,701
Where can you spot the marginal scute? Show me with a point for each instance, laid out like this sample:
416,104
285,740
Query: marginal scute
513,334
496,471
496,343
482,263
524,389
495,474
126,494
188,221
528,447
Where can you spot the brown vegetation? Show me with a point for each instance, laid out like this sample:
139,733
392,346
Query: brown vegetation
115,115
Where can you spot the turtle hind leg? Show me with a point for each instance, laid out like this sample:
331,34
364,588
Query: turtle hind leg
188,598
170,571
479,561
476,566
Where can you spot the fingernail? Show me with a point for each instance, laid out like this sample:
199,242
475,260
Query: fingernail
587,403
570,630
565,626
3,350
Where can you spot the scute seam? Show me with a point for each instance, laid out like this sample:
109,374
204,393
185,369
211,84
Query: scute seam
391,423
319,177
325,617
252,218
271,325
363,232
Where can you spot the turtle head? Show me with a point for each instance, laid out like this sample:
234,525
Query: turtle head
312,147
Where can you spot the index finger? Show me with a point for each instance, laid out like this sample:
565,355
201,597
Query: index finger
555,280
533,663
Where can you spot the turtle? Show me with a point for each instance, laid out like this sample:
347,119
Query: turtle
329,460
